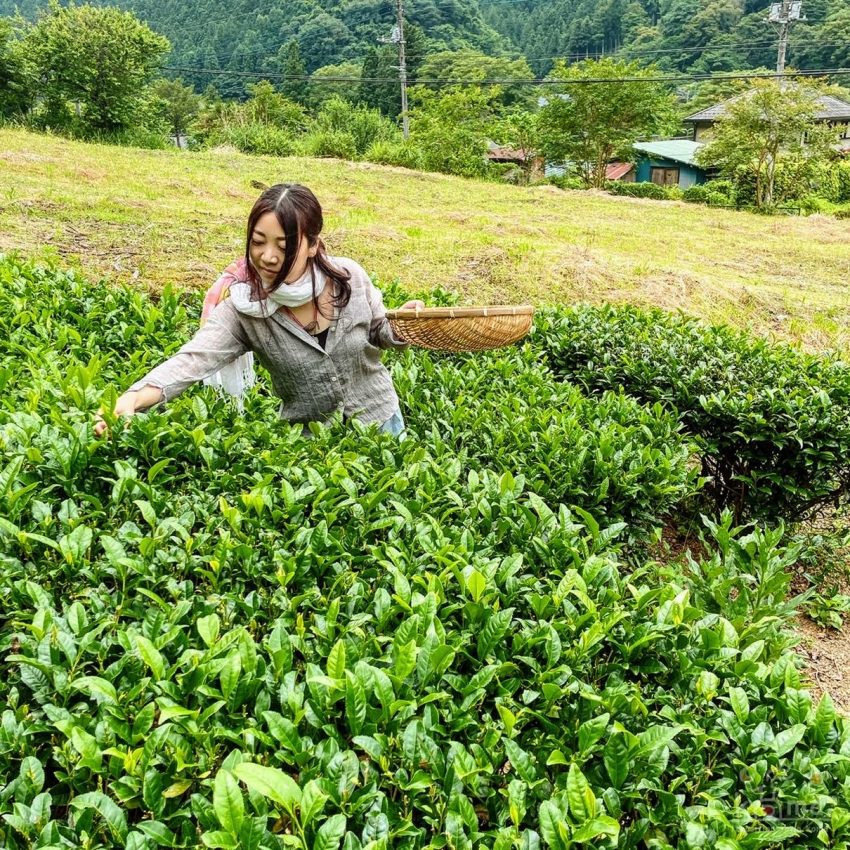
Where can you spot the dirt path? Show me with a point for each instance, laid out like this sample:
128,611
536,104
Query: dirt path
827,655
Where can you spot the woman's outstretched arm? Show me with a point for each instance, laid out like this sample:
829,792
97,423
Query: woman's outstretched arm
217,343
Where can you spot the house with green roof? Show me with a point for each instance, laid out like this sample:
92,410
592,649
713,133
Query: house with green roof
671,162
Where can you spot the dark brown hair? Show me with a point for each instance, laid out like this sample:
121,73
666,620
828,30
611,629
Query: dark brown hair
299,214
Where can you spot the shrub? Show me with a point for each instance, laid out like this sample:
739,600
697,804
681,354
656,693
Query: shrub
772,424
261,139
562,442
843,169
389,152
366,126
452,151
566,181
335,143
643,190
715,193
815,204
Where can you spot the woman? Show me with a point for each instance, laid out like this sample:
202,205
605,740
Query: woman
315,322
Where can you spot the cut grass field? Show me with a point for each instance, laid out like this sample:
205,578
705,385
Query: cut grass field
156,217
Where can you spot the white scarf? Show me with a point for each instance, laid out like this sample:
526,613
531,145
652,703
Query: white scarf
286,295
236,377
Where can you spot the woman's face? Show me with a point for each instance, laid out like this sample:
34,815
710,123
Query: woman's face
268,248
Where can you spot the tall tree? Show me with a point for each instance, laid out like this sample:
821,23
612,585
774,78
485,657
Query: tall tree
766,127
381,64
17,75
320,91
590,124
474,66
179,105
99,58
294,66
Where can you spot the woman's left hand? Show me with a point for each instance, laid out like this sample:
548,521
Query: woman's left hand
413,305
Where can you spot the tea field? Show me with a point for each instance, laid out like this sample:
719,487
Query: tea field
216,633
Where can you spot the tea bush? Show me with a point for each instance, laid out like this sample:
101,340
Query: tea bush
216,633
772,424
613,457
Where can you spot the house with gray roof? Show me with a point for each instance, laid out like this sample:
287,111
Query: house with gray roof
831,110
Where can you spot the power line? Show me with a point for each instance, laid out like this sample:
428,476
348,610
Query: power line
621,53
812,72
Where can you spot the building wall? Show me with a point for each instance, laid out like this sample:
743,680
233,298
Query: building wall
702,131
688,175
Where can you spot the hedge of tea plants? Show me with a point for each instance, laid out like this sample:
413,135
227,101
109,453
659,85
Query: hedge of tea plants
772,424
217,633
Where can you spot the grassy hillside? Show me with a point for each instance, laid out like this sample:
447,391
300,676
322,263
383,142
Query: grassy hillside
157,216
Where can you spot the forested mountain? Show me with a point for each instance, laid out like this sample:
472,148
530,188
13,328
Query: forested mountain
693,35
680,35
243,35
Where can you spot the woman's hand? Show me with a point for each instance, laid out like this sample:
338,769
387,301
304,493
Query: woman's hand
129,403
125,406
413,305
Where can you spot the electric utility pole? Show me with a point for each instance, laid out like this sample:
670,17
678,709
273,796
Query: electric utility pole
786,13
397,37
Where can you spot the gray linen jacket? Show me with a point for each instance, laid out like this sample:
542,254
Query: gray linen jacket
311,382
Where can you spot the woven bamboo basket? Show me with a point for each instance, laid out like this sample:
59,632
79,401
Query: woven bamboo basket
462,328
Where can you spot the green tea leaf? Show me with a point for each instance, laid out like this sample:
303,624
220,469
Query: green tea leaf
336,661
107,808
740,703
100,689
787,739
208,628
151,657
330,833
616,758
227,802
522,762
602,825
355,703
579,795
271,783
405,661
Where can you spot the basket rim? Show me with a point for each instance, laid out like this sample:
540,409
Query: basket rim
463,312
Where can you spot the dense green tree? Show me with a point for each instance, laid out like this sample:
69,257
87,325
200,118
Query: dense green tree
520,130
592,124
179,105
98,58
292,66
826,45
475,66
318,91
365,126
450,129
415,49
268,106
17,74
767,127
694,35
378,88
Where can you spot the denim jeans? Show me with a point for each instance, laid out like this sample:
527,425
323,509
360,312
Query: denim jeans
395,426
